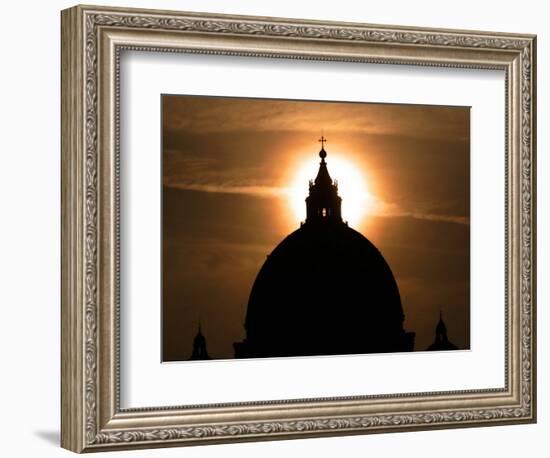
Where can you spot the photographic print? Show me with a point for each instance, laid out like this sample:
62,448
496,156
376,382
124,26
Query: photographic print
309,228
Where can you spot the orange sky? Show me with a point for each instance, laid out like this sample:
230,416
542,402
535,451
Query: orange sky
230,168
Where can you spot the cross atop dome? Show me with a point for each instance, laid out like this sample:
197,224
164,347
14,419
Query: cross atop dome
322,153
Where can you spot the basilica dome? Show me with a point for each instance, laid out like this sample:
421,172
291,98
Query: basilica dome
324,290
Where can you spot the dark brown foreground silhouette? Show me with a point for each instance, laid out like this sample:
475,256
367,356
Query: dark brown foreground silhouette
324,290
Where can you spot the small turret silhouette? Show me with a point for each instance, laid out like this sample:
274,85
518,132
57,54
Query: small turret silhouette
323,203
441,341
199,347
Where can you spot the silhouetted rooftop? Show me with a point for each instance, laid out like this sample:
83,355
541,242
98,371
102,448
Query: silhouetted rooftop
325,289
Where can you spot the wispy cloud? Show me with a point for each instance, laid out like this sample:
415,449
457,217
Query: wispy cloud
394,210
249,190
379,208
181,113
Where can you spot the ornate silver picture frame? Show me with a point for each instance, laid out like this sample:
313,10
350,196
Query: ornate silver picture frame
93,39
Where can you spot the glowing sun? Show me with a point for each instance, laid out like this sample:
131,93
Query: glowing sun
352,188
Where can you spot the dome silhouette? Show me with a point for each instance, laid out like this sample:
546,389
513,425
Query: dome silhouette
324,290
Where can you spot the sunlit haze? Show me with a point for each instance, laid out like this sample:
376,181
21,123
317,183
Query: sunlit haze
352,187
